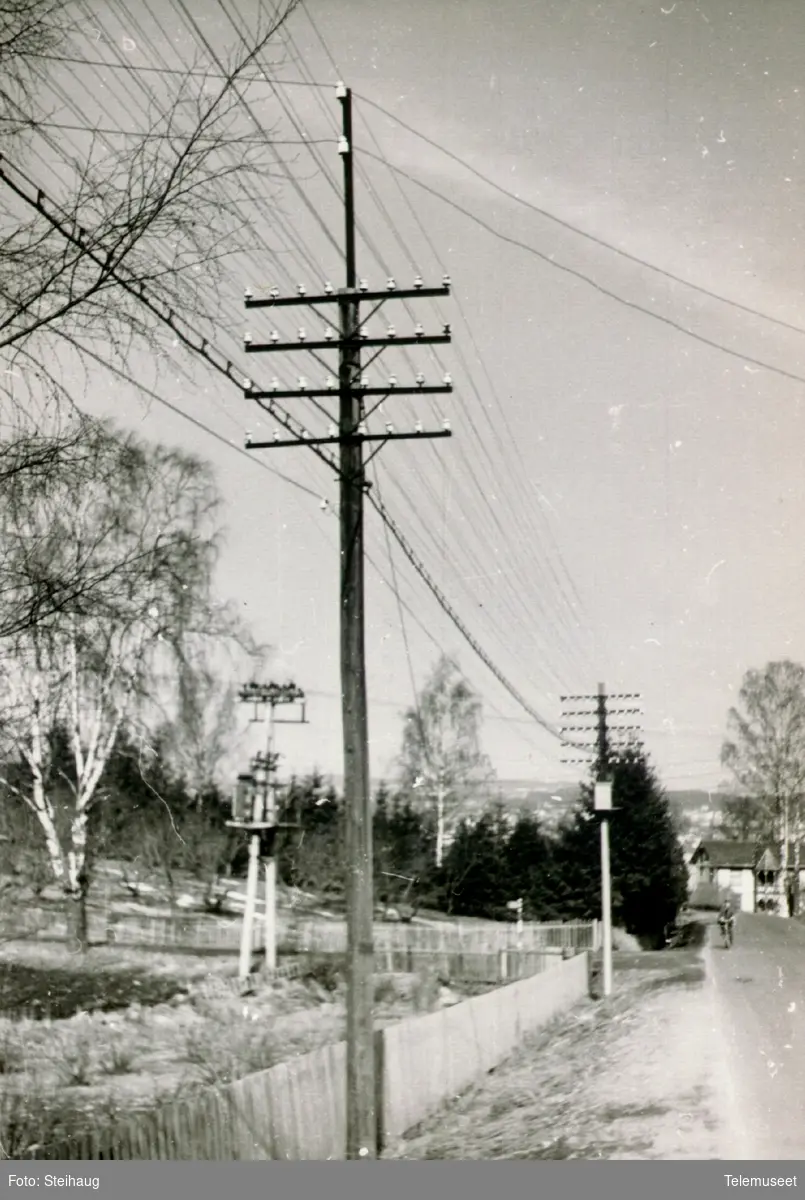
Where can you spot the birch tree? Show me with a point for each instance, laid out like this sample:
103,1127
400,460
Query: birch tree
141,528
441,756
198,735
765,754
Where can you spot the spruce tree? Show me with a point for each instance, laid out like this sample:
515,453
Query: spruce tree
649,879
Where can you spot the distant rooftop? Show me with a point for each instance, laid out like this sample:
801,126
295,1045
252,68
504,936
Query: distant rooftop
722,853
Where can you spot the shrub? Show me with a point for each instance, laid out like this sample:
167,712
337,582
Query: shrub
12,1054
326,971
119,1060
386,989
75,1060
224,1055
35,1120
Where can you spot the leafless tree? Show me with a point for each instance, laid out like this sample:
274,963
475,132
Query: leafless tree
766,756
441,756
28,28
141,531
126,231
198,735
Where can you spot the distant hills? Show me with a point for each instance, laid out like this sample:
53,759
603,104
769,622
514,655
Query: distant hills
553,799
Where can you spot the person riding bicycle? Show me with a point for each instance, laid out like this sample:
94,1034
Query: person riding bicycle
726,917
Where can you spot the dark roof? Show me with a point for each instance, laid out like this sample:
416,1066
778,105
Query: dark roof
727,854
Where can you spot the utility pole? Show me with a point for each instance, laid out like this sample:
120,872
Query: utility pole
255,811
605,736
351,434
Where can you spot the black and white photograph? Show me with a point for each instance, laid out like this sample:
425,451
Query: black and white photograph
402,643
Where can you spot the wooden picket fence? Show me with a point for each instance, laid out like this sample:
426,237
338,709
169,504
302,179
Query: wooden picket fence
448,938
199,932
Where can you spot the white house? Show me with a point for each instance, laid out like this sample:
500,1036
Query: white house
752,874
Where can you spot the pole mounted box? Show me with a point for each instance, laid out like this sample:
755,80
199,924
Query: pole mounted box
603,797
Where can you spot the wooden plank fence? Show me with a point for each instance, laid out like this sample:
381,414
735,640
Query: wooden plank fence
295,1110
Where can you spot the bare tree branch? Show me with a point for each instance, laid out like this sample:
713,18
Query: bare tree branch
147,214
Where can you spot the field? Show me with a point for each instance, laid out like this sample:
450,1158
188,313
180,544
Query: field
132,1029
87,1039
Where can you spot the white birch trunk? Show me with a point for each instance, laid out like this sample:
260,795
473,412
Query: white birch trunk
39,798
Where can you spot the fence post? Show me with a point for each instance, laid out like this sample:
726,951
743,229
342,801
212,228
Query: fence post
503,964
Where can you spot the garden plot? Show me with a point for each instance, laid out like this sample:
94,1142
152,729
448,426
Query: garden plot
154,1028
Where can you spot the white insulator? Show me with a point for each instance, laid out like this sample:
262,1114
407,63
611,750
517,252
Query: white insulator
419,331
448,379
275,383
364,380
343,146
248,438
301,289
446,424
391,331
418,282
324,505
341,90
247,385
445,281
274,336
304,435
302,335
362,429
391,283
302,382
248,294
330,383
274,293
328,334
247,337
418,427
328,288
276,435
389,427
331,430
420,379
392,380
363,332
363,285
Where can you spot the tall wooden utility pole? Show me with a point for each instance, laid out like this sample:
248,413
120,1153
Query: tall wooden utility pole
352,432
603,806
361,1116
601,735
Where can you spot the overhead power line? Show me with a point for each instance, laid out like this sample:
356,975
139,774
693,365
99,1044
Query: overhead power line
590,237
182,330
184,72
454,617
148,47
202,347
551,261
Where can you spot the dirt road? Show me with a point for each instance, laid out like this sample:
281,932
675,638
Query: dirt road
759,988
697,1055
639,1076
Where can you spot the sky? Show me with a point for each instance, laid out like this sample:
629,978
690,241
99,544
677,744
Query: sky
622,500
